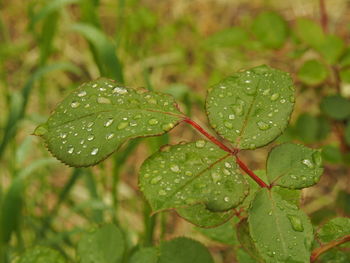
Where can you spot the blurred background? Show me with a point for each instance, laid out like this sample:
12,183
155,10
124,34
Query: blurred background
180,47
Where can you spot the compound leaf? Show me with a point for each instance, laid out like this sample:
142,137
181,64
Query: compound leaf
334,229
294,166
192,173
184,250
270,29
94,120
41,255
103,245
281,232
251,108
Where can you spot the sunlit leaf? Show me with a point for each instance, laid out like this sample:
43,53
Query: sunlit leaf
192,173
94,120
252,107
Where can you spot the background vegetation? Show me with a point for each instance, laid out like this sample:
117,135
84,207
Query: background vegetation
181,47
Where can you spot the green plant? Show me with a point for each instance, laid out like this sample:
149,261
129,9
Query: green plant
203,180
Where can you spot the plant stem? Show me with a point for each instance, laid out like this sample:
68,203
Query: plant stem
320,250
233,152
324,16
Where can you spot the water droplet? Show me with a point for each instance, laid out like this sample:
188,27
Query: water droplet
75,104
231,116
175,168
274,96
109,136
70,150
108,122
63,135
266,92
317,158
153,122
120,90
90,137
308,163
263,125
122,125
90,124
228,125
155,180
167,127
82,93
188,173
40,130
296,223
226,172
226,199
103,100
228,165
216,177
200,143
162,192
94,151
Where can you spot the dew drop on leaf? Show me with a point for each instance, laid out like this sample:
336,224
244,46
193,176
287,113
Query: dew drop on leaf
103,100
153,122
90,137
263,125
308,163
317,158
108,122
75,104
82,93
228,125
275,96
296,223
109,136
122,125
175,168
94,151
200,143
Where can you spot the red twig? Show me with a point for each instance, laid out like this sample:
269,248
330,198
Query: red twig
320,250
227,149
324,16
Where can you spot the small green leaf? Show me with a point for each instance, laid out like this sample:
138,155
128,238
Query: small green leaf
94,120
334,229
281,232
332,154
103,245
312,72
229,37
145,255
309,32
331,48
184,250
41,255
251,108
271,29
336,107
294,166
225,233
200,216
312,128
192,173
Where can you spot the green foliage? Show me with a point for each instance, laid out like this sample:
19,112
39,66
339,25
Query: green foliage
270,29
309,32
294,166
103,245
251,108
311,129
41,255
312,72
94,120
334,229
331,48
192,173
224,233
336,107
286,234
145,255
234,36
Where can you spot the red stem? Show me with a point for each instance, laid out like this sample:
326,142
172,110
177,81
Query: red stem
227,149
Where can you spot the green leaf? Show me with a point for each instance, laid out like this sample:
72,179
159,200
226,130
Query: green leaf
336,107
345,59
312,72
345,75
192,173
145,255
312,128
246,241
281,232
225,233
347,133
243,257
229,37
294,166
251,108
184,250
334,256
334,229
200,216
103,245
271,29
309,32
41,255
331,48
332,154
94,120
